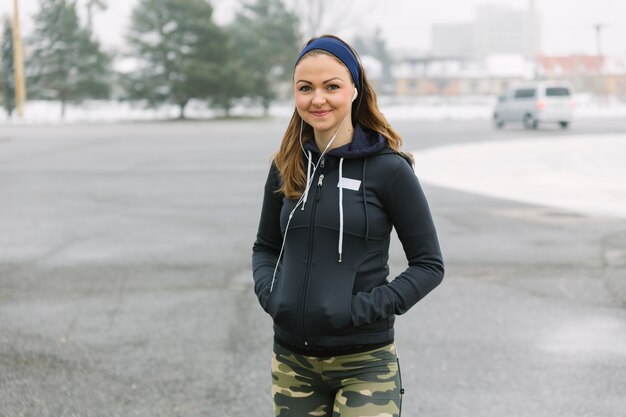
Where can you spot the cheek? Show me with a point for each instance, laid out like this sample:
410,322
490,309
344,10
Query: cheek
302,104
299,99
345,98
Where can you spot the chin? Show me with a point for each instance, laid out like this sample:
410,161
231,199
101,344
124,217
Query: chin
321,125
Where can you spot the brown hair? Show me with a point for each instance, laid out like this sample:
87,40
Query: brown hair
289,159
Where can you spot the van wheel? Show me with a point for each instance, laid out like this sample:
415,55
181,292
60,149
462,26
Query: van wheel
564,125
530,123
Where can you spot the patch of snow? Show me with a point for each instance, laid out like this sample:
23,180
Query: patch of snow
394,108
580,173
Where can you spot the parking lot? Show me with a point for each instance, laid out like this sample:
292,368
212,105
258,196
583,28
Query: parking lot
125,283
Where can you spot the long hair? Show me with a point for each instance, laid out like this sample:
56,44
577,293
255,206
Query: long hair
365,112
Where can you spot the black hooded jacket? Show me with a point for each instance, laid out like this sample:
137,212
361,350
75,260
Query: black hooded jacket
316,301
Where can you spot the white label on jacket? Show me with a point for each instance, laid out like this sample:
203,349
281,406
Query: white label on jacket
349,184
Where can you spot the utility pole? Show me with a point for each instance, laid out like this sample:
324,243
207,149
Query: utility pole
598,28
531,37
18,58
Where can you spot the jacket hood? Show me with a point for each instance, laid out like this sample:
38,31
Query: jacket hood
364,143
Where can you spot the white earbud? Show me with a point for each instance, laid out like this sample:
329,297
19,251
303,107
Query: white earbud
356,93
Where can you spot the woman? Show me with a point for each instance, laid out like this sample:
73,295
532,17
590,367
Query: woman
336,187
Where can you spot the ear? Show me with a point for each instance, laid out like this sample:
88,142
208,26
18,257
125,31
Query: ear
356,93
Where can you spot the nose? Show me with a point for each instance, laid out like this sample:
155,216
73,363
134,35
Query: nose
318,98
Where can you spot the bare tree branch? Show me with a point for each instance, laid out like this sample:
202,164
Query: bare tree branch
343,18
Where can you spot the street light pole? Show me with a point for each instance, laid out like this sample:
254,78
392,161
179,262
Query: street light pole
598,27
531,37
18,61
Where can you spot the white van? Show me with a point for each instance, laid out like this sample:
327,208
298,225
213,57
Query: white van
534,103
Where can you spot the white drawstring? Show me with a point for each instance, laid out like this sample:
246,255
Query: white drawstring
308,179
340,208
302,197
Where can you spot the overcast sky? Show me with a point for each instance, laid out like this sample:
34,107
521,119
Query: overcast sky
567,24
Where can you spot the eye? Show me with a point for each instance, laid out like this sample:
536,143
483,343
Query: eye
332,87
304,88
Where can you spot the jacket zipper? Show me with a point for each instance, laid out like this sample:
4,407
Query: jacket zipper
318,193
319,188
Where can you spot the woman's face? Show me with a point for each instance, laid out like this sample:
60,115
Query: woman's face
323,91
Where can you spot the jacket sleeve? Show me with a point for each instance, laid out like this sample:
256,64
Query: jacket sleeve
266,248
408,210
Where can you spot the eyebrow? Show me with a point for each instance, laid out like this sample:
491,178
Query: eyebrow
324,82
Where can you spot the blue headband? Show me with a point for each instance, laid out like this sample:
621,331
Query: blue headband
341,51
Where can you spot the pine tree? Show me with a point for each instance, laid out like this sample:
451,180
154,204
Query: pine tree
7,79
180,52
234,79
66,64
265,34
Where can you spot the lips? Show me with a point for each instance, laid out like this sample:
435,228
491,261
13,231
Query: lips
320,113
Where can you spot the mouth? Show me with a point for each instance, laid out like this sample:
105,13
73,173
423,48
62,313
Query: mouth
320,113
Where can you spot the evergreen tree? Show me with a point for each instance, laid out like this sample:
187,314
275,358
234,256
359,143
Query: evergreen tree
179,50
266,36
65,63
234,79
7,78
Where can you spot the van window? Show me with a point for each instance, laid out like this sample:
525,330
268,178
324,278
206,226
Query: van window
557,91
525,93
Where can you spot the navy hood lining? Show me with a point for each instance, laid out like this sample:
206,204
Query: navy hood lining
364,143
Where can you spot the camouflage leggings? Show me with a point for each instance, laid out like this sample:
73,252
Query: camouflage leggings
354,385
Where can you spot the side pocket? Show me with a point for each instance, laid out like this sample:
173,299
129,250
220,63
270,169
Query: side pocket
271,296
369,265
346,304
368,256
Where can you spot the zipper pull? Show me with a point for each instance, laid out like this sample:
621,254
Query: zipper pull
319,188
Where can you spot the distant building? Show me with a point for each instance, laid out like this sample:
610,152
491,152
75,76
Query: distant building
490,75
374,69
494,30
451,76
502,30
453,39
588,73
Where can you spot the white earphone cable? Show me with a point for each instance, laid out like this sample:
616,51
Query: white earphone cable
303,196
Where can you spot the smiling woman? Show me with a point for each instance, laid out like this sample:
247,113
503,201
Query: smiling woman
337,186
324,92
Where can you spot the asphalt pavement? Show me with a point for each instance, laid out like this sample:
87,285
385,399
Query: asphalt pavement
125,284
